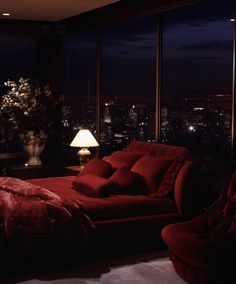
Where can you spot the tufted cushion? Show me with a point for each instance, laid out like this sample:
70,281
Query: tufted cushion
94,186
185,192
166,187
151,170
121,159
128,182
158,150
97,167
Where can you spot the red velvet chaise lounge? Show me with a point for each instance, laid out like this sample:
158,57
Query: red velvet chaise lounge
121,201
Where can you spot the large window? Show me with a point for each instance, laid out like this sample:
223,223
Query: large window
78,85
197,78
128,83
18,59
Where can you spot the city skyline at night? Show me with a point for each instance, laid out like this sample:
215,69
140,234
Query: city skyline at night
197,56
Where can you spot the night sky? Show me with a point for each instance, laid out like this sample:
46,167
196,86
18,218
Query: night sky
18,57
198,51
197,55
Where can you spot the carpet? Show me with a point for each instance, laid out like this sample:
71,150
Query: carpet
146,268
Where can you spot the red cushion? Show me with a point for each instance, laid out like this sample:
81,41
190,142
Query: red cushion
97,167
157,150
120,159
227,222
93,186
115,206
166,187
186,188
128,182
152,170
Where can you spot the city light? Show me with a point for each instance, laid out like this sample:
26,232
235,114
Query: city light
206,120
198,108
192,128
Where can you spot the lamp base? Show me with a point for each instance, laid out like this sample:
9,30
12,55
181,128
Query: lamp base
84,155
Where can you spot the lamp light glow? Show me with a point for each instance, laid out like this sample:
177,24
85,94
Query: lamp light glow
84,139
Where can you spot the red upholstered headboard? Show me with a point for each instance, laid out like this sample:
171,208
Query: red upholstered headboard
156,150
186,182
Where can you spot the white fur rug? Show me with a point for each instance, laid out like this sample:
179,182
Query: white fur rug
148,268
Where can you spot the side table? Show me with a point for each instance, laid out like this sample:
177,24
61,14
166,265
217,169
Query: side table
27,172
72,170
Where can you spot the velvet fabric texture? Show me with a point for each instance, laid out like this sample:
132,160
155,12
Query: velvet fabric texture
94,186
186,192
38,224
121,159
162,150
151,170
203,249
134,220
97,167
112,207
167,185
128,182
200,254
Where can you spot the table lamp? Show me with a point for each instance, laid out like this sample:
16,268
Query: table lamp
84,139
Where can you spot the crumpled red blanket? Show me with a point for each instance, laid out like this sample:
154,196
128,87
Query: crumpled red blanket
30,213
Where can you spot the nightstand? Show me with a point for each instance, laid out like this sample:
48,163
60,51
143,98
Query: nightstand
27,172
72,170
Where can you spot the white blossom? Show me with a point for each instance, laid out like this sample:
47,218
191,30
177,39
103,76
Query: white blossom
28,106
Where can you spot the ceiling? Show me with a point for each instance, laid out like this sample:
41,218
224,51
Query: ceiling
48,10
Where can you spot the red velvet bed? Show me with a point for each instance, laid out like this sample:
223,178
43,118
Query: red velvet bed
146,187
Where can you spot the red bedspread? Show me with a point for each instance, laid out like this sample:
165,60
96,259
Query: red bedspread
113,207
31,213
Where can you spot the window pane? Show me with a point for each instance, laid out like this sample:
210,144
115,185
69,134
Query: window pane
78,86
128,84
197,78
18,59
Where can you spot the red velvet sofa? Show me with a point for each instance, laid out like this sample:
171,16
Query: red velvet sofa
134,216
117,203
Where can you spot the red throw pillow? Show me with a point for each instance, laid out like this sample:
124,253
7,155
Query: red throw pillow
166,187
93,186
227,222
152,170
121,159
127,182
97,167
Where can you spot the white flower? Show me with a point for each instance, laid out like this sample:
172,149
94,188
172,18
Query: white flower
29,106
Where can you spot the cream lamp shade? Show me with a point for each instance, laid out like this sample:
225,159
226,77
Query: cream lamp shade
84,139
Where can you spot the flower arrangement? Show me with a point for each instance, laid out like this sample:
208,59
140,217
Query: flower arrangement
29,107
